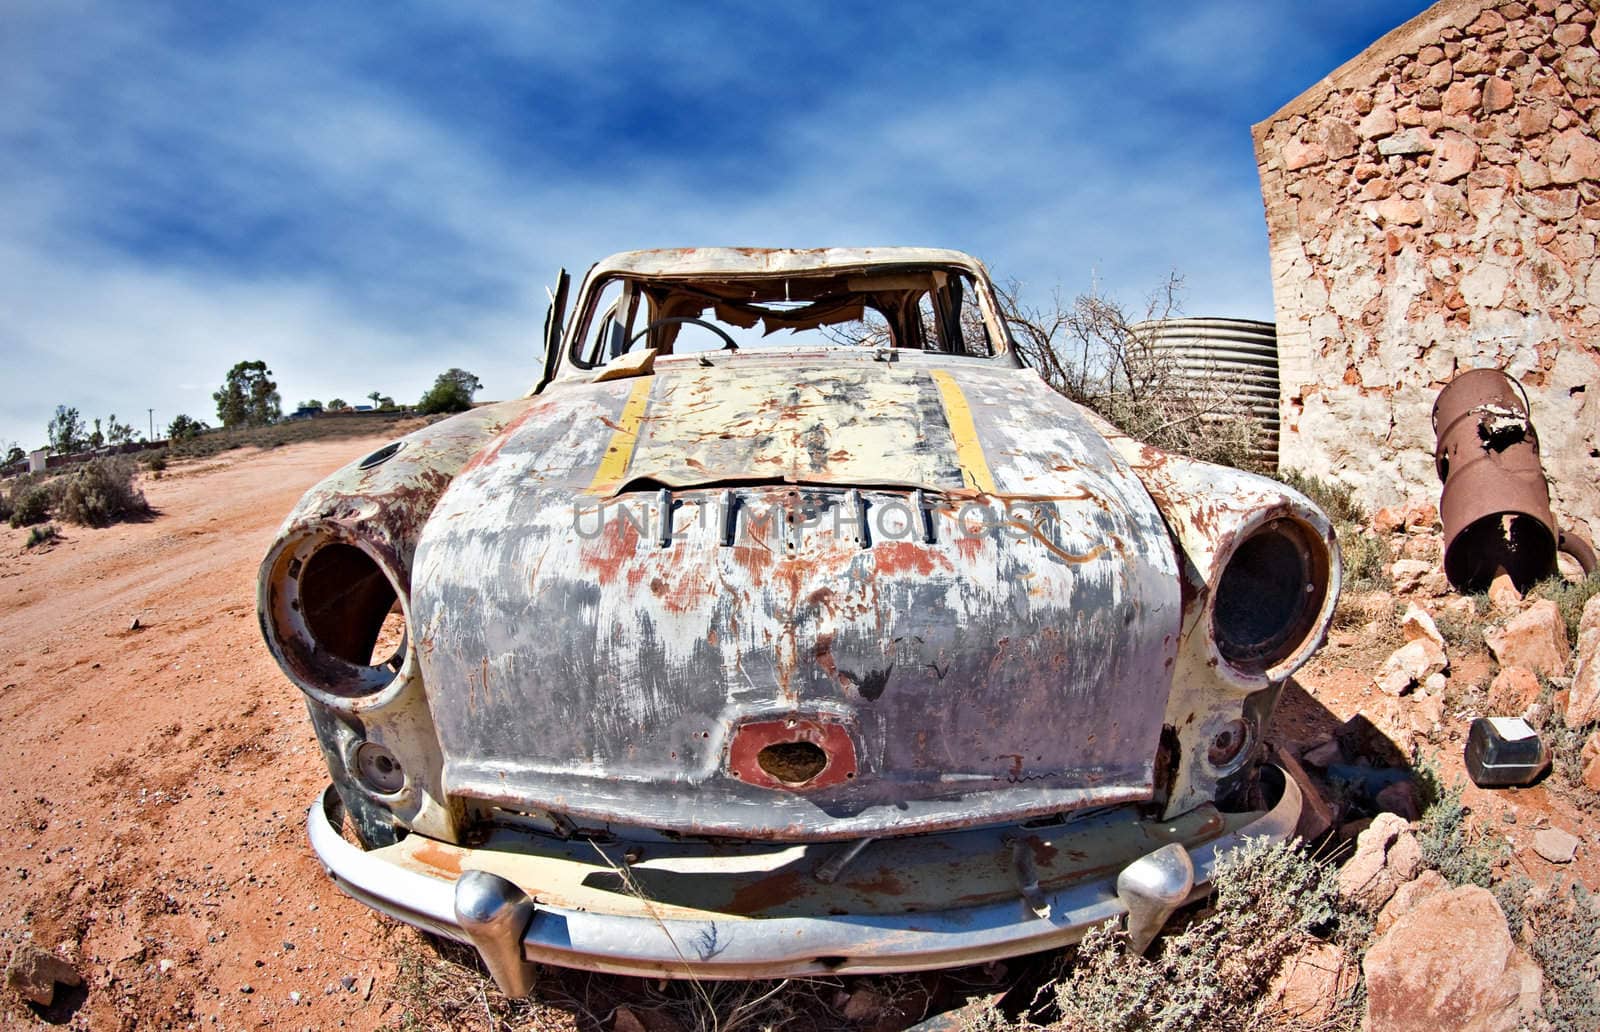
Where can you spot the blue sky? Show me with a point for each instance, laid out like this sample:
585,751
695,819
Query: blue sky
365,196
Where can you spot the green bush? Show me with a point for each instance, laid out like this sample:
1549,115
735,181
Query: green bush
42,535
100,492
30,504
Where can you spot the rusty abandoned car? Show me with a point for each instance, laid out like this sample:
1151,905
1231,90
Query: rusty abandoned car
791,624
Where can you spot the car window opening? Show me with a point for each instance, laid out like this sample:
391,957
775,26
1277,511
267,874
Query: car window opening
933,310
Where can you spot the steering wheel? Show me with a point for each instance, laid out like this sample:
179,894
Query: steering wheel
677,319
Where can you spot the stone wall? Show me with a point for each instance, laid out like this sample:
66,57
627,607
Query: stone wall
1433,206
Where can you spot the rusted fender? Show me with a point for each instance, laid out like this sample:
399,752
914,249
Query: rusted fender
362,523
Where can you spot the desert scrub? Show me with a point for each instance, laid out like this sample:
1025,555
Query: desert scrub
1213,975
1563,935
1570,596
30,504
100,492
1566,747
43,534
1463,632
1334,498
1365,558
1449,843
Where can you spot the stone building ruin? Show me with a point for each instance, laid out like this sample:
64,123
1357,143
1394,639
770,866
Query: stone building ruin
1433,206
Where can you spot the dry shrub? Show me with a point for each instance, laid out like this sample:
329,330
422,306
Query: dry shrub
1336,499
1106,359
1570,596
1214,974
100,492
30,503
1563,935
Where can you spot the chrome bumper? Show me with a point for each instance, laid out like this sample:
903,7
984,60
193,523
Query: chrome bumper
522,901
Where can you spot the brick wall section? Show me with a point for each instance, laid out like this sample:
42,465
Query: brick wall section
1433,205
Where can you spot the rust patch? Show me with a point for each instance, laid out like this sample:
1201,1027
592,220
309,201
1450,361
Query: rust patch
833,740
768,893
438,857
901,557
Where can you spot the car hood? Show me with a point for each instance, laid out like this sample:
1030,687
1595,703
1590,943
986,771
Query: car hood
935,570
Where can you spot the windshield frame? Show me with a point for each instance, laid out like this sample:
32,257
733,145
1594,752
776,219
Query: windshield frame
645,267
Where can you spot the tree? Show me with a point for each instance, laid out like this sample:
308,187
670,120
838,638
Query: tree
451,392
116,433
66,431
248,397
376,397
14,453
182,428
313,405
337,404
385,402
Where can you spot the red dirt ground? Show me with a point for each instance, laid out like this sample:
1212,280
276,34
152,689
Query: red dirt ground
157,778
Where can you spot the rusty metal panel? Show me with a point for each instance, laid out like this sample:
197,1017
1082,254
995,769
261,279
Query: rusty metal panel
1018,664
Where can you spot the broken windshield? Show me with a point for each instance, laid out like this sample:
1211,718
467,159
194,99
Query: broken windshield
921,308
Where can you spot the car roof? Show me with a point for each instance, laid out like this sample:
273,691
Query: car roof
767,261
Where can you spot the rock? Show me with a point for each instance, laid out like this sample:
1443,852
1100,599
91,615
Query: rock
1512,691
1583,704
1418,623
1455,156
1425,716
1417,576
1406,141
1324,755
34,974
1298,155
1410,664
1503,594
1380,121
1308,987
1388,520
1387,856
1400,799
1449,963
1574,157
1316,813
1397,211
1461,98
1497,95
625,1020
1422,516
1535,638
1589,759
1407,896
1555,845
1339,139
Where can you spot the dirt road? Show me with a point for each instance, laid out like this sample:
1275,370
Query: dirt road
156,776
